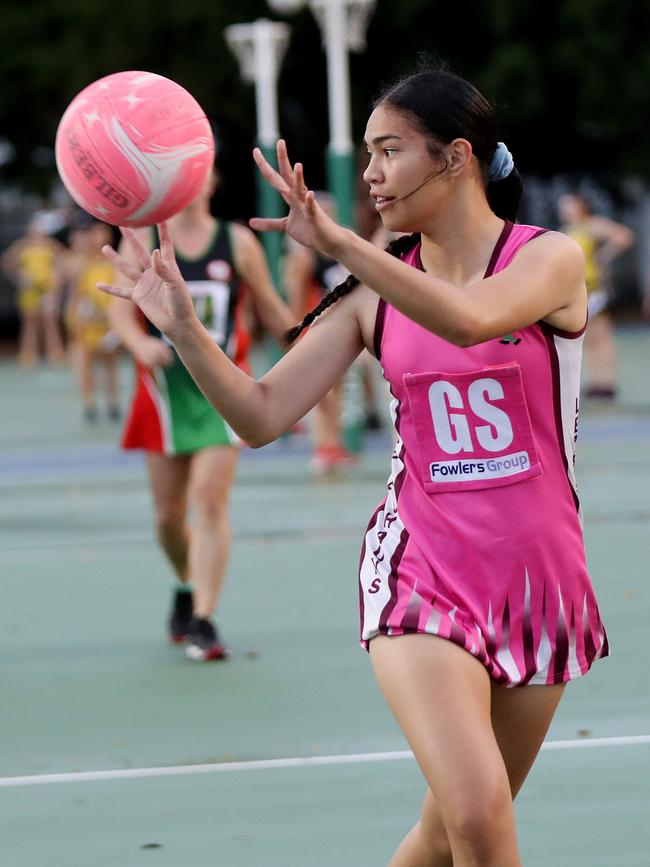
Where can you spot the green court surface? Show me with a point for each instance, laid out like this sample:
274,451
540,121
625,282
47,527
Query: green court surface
90,687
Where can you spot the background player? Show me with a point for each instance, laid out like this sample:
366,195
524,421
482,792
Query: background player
191,451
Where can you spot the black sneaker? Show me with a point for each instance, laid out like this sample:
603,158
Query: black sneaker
180,617
203,642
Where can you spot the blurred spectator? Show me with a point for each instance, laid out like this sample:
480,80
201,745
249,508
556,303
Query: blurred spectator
601,240
87,317
32,263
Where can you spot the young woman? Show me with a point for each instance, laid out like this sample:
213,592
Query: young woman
191,450
602,240
472,575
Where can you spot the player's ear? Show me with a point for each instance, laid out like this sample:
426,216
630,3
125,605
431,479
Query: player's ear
459,154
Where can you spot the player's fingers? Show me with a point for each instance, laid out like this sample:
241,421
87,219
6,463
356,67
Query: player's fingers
124,267
284,166
141,252
166,245
299,177
164,269
267,224
118,291
269,173
310,203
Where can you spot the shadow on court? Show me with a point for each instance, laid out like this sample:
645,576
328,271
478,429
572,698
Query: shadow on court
89,684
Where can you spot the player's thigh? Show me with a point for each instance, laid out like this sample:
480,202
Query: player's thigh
521,717
212,473
169,478
440,696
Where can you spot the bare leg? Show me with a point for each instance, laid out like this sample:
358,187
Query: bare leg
168,476
52,336
440,696
84,358
112,382
28,340
212,473
520,719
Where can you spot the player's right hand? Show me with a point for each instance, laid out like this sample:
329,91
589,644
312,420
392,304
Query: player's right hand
156,285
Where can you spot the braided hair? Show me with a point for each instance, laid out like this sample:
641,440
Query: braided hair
398,248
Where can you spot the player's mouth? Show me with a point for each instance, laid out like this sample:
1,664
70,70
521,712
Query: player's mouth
383,202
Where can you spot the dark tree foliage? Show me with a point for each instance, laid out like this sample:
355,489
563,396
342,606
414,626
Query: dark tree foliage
571,78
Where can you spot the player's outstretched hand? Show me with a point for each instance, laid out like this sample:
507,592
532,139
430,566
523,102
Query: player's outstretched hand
156,283
306,222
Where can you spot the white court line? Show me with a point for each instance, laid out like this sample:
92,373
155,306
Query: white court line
270,764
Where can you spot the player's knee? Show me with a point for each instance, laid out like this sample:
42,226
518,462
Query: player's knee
210,503
170,526
479,824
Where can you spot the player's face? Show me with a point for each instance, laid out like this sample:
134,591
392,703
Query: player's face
402,173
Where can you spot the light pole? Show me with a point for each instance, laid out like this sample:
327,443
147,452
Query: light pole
259,48
343,26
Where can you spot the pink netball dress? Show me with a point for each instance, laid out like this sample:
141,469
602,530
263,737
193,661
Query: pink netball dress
479,538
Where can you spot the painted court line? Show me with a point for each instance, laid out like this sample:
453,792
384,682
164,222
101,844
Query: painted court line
270,764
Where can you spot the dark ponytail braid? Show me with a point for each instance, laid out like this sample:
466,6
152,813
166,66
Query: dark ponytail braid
399,247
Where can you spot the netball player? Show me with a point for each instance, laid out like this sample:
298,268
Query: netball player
191,449
476,605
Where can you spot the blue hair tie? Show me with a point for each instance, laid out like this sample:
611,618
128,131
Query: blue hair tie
501,163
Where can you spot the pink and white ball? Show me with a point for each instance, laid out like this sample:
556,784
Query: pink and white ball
134,148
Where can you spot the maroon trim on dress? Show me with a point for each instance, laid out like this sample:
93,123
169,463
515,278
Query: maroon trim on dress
528,643
378,334
393,581
547,332
561,657
567,335
498,247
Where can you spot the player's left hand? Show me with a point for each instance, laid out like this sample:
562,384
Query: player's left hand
157,286
306,222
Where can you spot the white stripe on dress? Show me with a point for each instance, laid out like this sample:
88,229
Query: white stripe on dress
569,357
375,600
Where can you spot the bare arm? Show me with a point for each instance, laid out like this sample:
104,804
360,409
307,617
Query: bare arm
545,281
10,259
251,265
614,238
261,411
